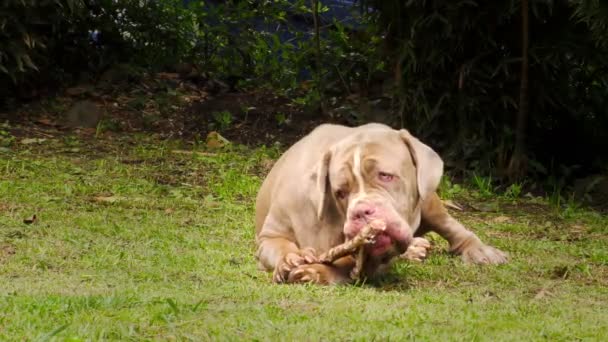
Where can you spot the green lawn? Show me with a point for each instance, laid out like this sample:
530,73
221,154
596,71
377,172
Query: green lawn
134,241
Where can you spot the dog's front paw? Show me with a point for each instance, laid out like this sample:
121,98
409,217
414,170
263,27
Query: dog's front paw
483,254
417,250
316,274
291,261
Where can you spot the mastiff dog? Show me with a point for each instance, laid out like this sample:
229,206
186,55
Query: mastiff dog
326,187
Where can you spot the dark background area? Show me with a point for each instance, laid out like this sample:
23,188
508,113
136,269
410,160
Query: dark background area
514,90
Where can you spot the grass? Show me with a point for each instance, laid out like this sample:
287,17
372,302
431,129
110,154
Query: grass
133,241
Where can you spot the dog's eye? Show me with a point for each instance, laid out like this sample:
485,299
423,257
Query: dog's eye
385,177
341,194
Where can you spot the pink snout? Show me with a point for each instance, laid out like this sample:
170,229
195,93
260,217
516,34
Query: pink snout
363,212
397,233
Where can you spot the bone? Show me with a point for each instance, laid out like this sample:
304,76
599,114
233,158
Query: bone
355,246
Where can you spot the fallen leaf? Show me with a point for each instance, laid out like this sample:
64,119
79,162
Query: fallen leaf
168,75
46,122
106,199
87,131
198,153
28,141
485,207
542,293
6,251
75,91
578,228
501,219
30,220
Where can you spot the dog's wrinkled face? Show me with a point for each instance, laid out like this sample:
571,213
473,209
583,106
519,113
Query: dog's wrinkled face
376,175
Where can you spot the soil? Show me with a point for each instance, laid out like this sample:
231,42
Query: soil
169,106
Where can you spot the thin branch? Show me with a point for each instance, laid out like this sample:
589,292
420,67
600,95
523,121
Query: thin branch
517,163
319,63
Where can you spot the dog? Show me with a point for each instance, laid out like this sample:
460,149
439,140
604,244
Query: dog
328,185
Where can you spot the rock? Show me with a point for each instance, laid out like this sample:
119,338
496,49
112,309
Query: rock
84,114
190,72
78,90
592,189
215,140
119,74
216,86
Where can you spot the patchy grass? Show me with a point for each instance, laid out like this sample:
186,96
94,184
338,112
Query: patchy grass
135,241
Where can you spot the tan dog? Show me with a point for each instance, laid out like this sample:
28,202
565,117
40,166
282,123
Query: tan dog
326,187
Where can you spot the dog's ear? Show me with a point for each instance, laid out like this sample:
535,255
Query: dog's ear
320,176
429,166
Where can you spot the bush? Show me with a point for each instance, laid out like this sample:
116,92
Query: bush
454,66
27,30
45,43
459,70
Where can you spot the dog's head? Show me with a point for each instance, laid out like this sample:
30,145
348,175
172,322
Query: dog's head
377,173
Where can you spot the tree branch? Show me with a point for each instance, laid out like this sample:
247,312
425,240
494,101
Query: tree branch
517,165
319,62
355,245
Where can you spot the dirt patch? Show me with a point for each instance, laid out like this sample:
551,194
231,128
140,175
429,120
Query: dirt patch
6,251
6,208
257,118
169,106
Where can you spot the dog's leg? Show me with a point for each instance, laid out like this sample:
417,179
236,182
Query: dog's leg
278,250
462,241
281,255
417,250
335,274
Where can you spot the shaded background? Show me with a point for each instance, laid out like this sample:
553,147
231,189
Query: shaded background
450,71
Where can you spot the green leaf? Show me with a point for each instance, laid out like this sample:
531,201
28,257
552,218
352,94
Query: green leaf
28,62
19,63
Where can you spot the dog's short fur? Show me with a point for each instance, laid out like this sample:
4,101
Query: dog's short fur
326,187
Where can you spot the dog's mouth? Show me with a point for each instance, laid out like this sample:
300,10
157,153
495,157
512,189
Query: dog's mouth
393,240
385,244
382,244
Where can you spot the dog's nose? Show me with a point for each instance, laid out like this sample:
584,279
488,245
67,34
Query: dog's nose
363,211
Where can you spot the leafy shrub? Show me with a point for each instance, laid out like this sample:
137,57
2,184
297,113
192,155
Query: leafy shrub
458,69
453,67
46,42
27,30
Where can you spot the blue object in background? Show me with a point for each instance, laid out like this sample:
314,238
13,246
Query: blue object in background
345,11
